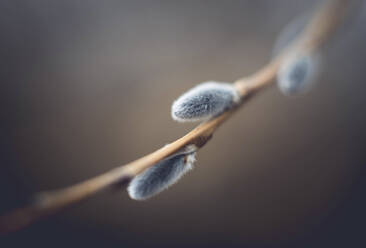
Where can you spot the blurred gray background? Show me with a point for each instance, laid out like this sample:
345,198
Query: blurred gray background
87,85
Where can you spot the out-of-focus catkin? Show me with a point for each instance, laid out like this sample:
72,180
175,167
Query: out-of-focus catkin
298,73
162,175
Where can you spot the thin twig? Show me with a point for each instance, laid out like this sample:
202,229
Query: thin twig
322,24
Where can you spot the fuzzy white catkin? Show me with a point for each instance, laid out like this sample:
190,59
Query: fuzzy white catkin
298,73
162,175
204,101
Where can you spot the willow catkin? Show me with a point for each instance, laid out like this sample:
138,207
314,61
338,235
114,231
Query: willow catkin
162,175
204,101
298,73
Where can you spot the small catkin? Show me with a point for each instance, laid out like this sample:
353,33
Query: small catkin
162,175
204,101
297,74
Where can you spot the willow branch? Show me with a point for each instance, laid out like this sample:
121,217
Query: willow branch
323,22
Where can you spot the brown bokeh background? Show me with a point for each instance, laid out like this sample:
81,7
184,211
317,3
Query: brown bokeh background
87,86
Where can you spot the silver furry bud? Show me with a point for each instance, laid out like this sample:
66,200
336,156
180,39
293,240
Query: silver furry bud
162,175
297,73
204,101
